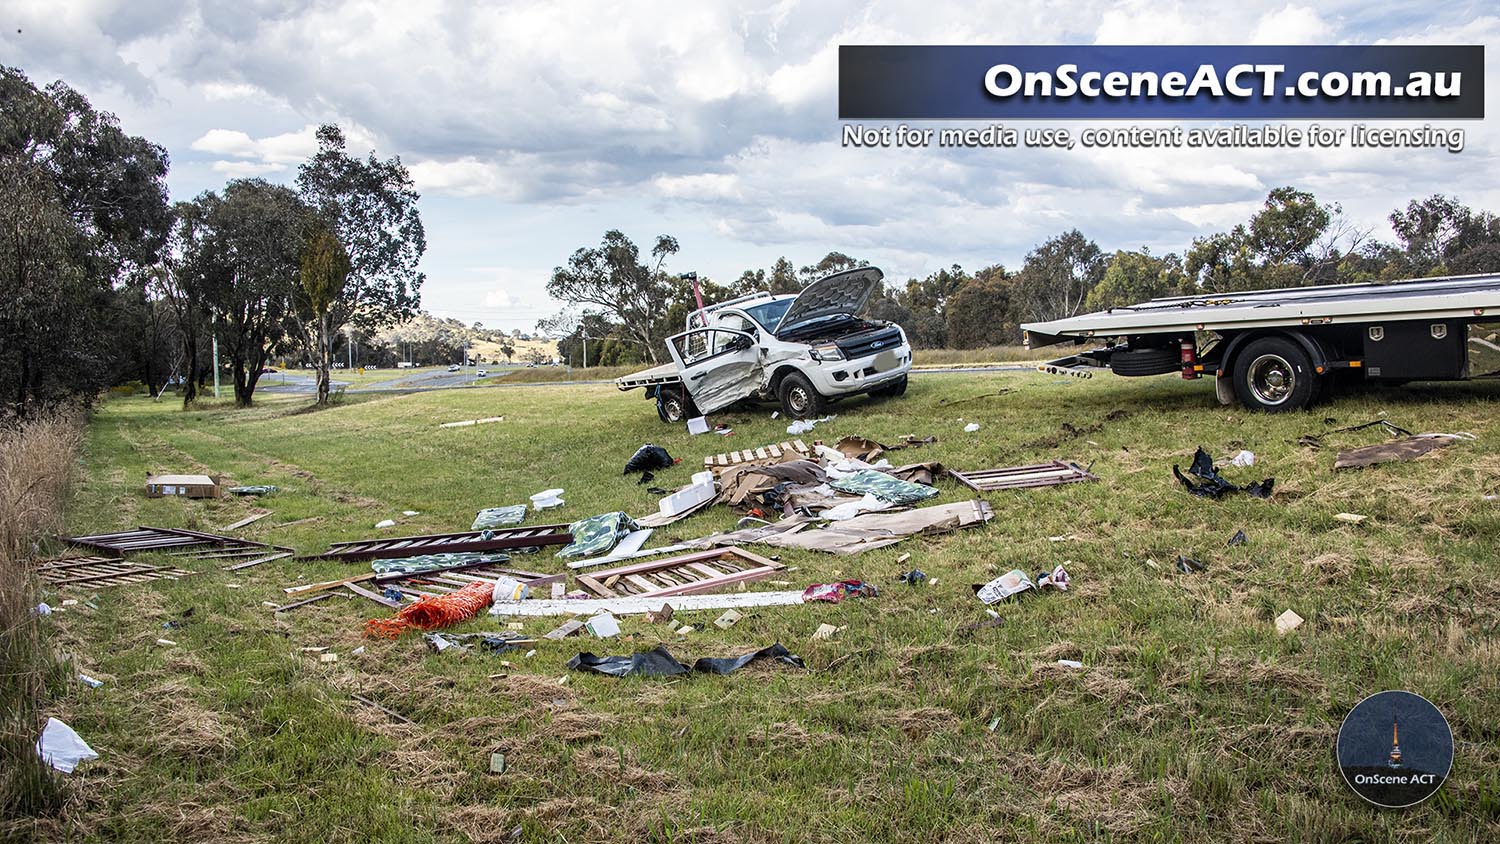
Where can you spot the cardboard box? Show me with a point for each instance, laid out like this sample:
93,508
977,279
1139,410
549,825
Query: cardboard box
186,486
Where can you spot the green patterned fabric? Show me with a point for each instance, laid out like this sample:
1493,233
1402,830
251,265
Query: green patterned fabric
883,486
499,517
428,562
597,534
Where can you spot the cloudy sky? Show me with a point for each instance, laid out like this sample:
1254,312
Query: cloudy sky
532,128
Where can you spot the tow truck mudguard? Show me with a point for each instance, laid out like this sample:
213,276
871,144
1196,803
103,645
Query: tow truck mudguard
1314,350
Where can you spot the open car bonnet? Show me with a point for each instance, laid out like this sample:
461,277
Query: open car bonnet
841,293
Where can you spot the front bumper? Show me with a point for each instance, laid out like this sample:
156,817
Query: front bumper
860,375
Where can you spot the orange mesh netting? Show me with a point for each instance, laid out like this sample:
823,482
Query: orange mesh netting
433,611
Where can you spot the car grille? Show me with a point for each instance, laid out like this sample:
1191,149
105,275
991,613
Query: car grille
870,342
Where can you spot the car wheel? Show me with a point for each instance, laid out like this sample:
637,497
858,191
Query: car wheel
799,399
1275,375
673,407
891,390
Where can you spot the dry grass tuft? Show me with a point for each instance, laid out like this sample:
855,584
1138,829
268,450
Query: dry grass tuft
607,764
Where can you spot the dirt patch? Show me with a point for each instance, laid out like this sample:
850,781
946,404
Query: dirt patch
1068,431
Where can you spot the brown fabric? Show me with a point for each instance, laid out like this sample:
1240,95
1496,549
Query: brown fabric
860,448
919,473
739,484
861,533
1408,449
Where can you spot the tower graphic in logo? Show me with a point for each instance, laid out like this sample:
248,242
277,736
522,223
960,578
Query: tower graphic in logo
1373,760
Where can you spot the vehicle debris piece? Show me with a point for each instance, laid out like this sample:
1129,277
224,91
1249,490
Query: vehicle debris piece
499,517
62,748
802,426
99,572
1405,449
884,487
1214,485
912,577
1188,565
697,425
1019,477
603,626
1287,622
1391,429
597,534
1239,538
687,574
359,550
833,593
649,458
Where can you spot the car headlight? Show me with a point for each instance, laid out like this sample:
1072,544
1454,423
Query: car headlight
827,351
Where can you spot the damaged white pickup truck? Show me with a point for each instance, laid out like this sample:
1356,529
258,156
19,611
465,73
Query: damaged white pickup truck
803,350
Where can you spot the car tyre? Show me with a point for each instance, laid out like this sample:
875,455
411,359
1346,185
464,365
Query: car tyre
674,406
799,398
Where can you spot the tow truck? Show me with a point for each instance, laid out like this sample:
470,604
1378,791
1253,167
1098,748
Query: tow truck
804,350
1282,350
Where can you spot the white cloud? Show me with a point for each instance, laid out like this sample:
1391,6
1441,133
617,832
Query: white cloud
1292,25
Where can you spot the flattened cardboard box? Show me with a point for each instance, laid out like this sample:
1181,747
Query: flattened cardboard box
188,486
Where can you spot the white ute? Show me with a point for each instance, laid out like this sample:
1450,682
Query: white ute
802,350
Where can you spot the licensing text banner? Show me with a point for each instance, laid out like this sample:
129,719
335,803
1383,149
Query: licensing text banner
1210,83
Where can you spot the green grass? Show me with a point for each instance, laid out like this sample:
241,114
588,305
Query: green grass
989,354
1192,720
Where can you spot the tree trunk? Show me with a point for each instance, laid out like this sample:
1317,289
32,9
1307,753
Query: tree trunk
242,388
325,359
190,377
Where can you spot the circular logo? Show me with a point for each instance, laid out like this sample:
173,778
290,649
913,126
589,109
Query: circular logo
1395,749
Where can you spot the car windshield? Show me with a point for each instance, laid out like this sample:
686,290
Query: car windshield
770,313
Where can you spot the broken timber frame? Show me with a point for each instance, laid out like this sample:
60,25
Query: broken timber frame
793,449
689,574
98,572
1021,477
386,548
176,542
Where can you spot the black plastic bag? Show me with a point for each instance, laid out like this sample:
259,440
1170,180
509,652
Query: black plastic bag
648,458
653,663
725,665
1214,485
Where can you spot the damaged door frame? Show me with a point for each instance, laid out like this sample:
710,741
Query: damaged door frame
687,574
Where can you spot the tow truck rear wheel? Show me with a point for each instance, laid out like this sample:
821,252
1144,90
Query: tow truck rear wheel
1275,375
673,407
799,398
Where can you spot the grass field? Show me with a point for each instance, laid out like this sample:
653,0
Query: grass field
1192,720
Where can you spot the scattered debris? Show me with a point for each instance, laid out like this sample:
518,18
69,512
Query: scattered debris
649,458
727,620
497,763
835,592
1214,485
825,631
547,499
99,572
1408,449
1005,586
633,605
697,425
661,616
166,643
971,427
802,426
912,577
903,558
690,498
1287,622
495,643
883,486
434,611
1316,440
90,681
176,541
256,490
247,521
687,574
1244,459
328,657
1057,579
385,523
1070,663
1352,518
185,486
1188,565
1017,477
446,543
571,627
988,623
659,662
597,534
467,423
1239,538
391,712
861,533
603,626
499,517
62,748
764,455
